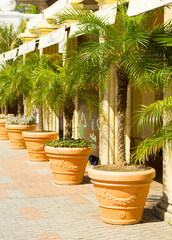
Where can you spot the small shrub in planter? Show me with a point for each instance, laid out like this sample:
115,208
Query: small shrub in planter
69,143
68,159
24,120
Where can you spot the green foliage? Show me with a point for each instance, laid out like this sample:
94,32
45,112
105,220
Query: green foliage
153,115
69,143
131,49
24,120
9,36
27,8
14,81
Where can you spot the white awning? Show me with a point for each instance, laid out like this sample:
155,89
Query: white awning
27,47
34,21
109,13
139,6
10,54
52,38
54,8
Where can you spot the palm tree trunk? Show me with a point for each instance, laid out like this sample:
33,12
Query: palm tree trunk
40,128
121,113
68,113
6,109
20,105
2,109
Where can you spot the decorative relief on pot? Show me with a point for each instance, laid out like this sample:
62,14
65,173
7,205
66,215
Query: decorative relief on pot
63,164
116,201
16,138
73,178
33,148
122,215
2,129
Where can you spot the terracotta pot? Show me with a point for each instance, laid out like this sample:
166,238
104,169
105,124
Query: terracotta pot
2,116
3,131
15,135
121,195
35,144
68,164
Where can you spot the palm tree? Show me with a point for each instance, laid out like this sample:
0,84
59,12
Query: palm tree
152,116
54,85
14,83
129,44
8,41
9,36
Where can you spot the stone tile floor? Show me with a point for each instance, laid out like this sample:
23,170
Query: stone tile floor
33,207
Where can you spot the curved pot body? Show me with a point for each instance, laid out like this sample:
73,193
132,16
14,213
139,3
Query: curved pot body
68,164
35,144
3,131
15,135
2,116
121,195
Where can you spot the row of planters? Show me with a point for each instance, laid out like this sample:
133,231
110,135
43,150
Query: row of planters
140,58
68,157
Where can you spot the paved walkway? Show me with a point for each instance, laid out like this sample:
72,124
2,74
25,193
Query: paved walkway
33,207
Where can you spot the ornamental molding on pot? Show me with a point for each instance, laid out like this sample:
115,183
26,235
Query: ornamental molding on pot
63,164
32,147
15,135
115,200
35,144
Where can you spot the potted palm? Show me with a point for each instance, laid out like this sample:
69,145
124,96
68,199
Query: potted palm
130,45
59,89
36,68
15,84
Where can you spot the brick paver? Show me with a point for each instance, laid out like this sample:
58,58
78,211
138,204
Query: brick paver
33,207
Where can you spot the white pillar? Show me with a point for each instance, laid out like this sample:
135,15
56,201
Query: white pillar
164,207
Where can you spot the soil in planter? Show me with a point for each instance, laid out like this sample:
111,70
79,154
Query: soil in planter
127,168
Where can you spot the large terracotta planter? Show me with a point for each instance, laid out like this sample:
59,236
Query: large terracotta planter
121,195
15,135
2,116
3,131
68,164
35,144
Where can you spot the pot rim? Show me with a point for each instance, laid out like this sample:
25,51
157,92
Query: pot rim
140,176
65,148
36,134
12,126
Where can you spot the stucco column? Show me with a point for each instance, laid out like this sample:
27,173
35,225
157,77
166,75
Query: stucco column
164,207
75,120
108,126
